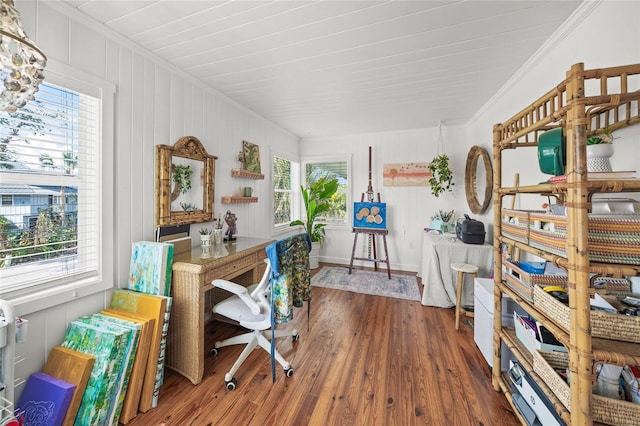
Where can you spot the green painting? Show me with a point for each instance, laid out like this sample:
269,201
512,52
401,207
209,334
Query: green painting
251,154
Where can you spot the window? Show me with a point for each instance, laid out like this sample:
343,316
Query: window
337,169
285,185
51,165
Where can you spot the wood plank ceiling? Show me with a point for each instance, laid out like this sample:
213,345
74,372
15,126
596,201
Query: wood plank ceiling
320,68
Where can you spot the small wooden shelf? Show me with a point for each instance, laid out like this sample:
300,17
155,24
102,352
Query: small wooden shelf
246,174
238,200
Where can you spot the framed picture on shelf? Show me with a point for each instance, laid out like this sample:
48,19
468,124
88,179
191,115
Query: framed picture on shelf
251,157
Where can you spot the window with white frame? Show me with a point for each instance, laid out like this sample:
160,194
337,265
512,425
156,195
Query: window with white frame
50,172
285,187
339,169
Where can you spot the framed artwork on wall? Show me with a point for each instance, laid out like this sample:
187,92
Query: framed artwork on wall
406,174
251,157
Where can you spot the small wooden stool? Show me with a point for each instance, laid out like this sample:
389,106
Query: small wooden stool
463,268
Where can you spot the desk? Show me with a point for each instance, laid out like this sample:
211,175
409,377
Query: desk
438,253
241,261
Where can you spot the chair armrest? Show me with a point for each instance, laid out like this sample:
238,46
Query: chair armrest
229,286
239,291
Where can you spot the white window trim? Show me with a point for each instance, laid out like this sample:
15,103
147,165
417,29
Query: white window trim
327,159
296,204
26,302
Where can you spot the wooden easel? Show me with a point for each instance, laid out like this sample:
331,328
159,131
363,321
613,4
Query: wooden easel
371,233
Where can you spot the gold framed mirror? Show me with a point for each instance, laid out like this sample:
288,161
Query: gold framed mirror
478,179
185,183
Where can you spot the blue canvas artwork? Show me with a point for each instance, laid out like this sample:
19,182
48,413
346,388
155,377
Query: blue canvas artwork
370,215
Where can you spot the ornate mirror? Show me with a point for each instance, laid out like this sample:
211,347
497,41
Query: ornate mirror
185,183
478,179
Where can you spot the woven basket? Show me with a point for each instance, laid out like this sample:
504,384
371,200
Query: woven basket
603,324
605,410
524,282
612,238
515,224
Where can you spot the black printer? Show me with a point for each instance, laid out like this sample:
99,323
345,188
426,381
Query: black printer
470,231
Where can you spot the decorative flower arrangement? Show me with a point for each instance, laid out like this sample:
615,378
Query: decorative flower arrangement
443,215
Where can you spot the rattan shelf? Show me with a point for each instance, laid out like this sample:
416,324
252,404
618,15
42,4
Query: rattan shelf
580,116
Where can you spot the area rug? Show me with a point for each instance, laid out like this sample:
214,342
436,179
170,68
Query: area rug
367,282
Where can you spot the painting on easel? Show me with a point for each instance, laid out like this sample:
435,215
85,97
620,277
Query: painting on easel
370,215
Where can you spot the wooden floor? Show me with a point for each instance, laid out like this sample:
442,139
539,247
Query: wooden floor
366,360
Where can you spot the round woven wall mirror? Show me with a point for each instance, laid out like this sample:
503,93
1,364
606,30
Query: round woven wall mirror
478,179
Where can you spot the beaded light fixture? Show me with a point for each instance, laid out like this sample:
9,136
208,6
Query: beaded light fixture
21,62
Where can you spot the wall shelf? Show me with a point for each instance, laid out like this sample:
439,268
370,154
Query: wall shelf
238,200
246,174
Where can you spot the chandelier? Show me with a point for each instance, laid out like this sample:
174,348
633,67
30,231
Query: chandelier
21,62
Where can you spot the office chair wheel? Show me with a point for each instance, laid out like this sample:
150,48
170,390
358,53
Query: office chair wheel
214,351
295,336
231,384
288,372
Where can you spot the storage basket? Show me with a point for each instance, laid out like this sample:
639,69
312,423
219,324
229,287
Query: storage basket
605,410
603,325
515,224
612,238
523,282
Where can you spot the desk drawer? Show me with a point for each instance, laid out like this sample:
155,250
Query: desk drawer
232,269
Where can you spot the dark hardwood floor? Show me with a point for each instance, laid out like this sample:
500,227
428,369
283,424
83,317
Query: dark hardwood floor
366,360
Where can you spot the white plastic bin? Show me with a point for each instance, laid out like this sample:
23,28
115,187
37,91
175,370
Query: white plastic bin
483,322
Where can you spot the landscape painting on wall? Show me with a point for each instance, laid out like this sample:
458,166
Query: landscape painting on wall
406,174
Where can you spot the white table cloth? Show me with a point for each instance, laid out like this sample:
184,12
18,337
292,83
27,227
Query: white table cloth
439,251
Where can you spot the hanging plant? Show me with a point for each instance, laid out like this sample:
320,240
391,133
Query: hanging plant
441,175
181,176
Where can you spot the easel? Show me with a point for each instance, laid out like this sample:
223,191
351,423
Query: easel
371,233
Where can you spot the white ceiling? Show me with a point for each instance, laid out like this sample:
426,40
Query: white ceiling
319,68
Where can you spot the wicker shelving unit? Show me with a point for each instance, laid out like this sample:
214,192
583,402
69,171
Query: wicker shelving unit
580,114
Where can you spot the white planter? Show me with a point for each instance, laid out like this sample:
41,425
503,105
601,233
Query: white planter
205,243
598,157
314,256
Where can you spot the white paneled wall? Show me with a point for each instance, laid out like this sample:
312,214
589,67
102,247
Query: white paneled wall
154,104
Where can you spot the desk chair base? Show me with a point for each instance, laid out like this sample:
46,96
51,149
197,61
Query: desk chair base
253,340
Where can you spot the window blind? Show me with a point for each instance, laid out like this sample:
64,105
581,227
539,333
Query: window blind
49,183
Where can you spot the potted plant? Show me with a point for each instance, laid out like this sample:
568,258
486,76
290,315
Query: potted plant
316,198
599,150
441,175
205,239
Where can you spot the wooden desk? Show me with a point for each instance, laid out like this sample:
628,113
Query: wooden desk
438,253
241,261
